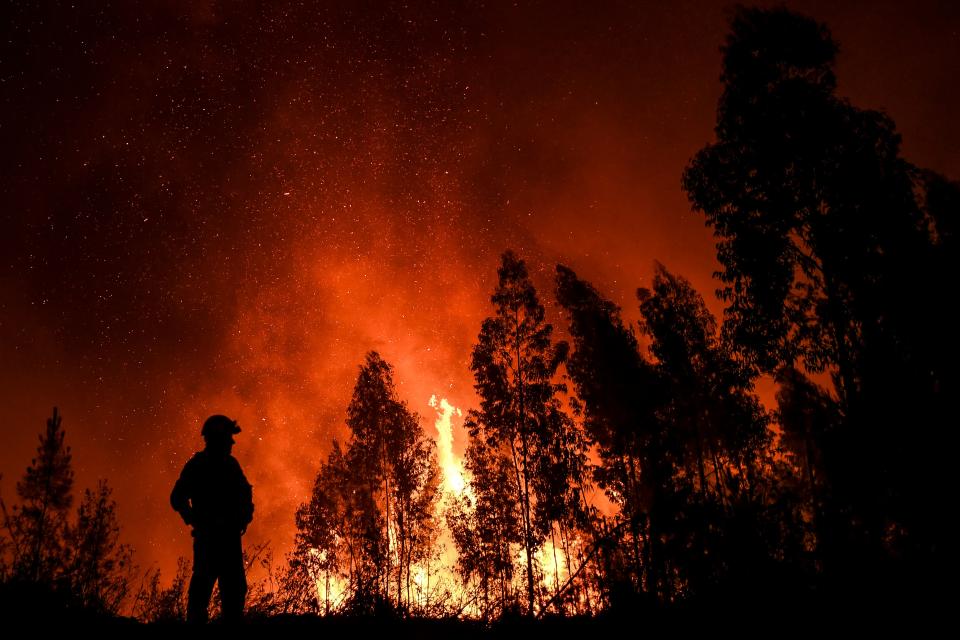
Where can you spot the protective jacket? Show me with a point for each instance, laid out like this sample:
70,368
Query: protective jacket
212,495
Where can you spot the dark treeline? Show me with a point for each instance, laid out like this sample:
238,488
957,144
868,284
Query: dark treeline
831,250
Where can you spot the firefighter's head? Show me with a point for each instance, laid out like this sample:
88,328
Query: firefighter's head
218,432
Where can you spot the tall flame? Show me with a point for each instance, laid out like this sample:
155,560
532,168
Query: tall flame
452,467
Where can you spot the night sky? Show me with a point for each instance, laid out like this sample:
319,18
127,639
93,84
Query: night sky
220,207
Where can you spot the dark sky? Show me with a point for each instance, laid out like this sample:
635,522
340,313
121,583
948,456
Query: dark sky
221,207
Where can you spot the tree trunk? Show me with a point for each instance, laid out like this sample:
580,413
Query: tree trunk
527,538
633,499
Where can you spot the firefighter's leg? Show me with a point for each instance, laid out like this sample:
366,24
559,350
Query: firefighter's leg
233,581
201,583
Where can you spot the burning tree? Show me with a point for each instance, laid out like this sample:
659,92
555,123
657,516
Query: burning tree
369,519
486,527
514,363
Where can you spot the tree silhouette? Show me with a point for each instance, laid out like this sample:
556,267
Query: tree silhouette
414,479
514,364
341,534
620,392
77,567
321,530
711,395
374,420
561,512
683,441
715,430
36,526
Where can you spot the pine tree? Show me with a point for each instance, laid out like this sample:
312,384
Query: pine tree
36,526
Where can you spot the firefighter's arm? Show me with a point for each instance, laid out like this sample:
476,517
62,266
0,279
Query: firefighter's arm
246,503
180,496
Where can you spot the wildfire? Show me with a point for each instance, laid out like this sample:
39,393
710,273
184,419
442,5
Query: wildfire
332,589
431,580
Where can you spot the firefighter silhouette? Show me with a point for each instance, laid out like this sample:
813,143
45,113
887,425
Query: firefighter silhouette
213,496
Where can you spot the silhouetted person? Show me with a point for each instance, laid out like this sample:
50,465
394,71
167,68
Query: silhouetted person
213,496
